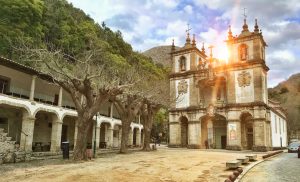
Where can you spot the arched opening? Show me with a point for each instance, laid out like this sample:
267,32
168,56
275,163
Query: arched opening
184,131
11,121
243,52
182,63
68,130
214,132
247,137
104,135
220,132
42,131
135,130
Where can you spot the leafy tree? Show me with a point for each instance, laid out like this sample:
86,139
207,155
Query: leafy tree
20,18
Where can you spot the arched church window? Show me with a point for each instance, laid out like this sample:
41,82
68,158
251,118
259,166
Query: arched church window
182,63
243,52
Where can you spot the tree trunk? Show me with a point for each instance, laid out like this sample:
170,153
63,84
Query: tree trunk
81,142
147,134
125,133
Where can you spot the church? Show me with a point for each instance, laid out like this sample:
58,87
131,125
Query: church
224,105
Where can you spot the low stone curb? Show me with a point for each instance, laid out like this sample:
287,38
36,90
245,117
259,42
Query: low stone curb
247,168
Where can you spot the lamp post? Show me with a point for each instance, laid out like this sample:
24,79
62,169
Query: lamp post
95,136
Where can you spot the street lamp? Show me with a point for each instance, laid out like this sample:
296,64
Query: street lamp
95,136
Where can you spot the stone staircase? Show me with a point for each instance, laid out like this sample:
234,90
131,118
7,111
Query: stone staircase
7,148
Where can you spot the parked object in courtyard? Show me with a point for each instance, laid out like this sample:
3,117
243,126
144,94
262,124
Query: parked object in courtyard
252,157
65,149
293,147
233,164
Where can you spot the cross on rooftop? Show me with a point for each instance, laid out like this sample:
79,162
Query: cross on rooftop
188,28
244,14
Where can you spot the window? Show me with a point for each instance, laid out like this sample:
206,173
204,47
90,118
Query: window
279,126
182,63
219,94
243,52
3,85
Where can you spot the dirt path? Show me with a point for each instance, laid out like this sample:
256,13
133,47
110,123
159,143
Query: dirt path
163,165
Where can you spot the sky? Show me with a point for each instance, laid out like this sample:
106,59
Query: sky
149,23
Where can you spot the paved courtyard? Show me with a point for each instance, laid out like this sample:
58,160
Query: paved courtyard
163,165
284,167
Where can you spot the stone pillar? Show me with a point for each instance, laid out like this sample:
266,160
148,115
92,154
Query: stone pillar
260,143
97,136
110,137
56,135
120,136
93,134
111,110
194,132
27,133
175,134
234,135
75,133
138,137
130,137
32,88
60,97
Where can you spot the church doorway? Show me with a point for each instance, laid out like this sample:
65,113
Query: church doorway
184,131
220,131
214,132
247,131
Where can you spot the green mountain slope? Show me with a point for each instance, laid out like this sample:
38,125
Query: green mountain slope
288,93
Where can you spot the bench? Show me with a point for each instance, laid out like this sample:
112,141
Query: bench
233,164
252,157
243,160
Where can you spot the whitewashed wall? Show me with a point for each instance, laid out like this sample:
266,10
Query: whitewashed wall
278,130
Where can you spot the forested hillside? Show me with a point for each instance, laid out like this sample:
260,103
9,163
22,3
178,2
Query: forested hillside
64,27
288,93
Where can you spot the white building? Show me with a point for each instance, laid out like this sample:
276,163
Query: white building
39,114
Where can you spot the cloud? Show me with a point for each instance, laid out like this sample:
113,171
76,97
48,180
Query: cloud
148,23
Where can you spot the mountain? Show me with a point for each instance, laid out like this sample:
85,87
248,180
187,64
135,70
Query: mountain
288,93
160,55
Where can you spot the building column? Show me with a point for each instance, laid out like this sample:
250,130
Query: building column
32,88
138,137
56,135
259,132
194,134
98,136
130,137
175,134
110,137
27,133
234,135
111,110
75,133
120,136
60,97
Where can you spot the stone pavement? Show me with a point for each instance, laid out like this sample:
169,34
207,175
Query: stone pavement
284,167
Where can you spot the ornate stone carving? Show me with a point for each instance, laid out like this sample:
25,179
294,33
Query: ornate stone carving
244,79
182,87
211,110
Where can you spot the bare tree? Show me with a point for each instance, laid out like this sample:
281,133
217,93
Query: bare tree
91,79
156,95
128,107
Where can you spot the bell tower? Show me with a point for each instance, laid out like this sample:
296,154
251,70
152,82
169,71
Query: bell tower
247,70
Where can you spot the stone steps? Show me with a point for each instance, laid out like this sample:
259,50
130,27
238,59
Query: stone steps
7,148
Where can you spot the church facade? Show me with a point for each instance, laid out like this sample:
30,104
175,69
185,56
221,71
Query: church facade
224,105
